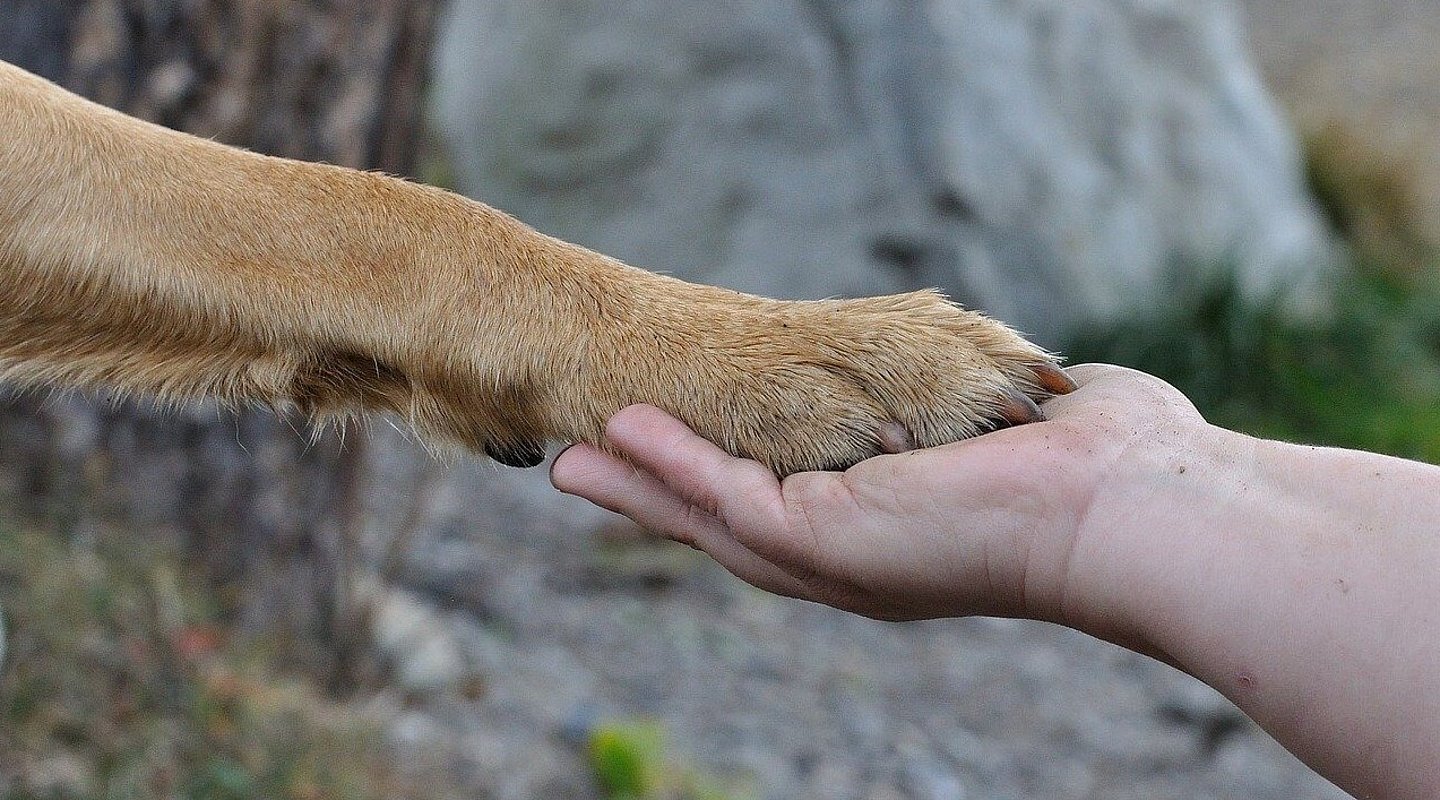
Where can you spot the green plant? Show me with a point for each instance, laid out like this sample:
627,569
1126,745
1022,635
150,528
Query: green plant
629,760
1364,372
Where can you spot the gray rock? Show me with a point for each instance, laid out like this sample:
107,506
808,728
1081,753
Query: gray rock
59,775
1046,160
417,641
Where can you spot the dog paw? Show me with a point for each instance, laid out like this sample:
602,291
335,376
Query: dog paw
822,385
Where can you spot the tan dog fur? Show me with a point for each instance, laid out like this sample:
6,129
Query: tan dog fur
142,259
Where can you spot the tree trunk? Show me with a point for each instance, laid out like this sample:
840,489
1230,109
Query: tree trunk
267,508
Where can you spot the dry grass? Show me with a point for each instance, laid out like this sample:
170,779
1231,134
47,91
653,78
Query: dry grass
1370,199
1368,67
119,683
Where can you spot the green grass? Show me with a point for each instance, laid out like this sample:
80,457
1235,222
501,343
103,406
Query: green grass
1364,373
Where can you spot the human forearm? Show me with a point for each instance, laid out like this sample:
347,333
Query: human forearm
1301,582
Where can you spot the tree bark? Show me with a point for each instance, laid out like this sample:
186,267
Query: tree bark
268,509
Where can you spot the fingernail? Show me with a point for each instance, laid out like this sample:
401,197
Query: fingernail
556,463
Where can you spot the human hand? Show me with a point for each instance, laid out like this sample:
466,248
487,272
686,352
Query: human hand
991,525
1288,577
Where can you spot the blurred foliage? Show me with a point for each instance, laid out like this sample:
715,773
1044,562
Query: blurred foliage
1358,366
1363,373
628,758
630,763
1360,371
119,684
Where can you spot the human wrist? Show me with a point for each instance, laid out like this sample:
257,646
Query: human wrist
1145,532
1282,576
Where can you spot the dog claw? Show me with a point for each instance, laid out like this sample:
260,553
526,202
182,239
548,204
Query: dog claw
1019,409
522,455
894,438
1053,379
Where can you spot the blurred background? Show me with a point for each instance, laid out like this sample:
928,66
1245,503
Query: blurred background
1242,197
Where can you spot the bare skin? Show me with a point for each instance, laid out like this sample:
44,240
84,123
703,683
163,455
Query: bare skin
1299,581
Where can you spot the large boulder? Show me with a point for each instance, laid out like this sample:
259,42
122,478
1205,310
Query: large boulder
1050,161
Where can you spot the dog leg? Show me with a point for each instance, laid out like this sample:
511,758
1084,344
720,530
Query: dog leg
142,259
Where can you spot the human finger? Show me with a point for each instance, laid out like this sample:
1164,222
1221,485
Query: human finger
613,484
739,492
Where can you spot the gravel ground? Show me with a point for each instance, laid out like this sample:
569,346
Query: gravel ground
567,617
